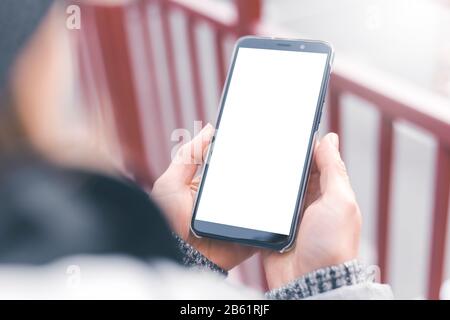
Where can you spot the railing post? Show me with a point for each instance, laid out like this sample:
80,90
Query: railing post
440,219
113,37
220,61
155,105
384,191
249,14
334,113
171,62
195,70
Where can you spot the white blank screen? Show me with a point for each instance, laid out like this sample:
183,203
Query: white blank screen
261,145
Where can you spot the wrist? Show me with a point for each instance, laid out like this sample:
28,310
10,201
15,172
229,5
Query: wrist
278,275
191,257
312,264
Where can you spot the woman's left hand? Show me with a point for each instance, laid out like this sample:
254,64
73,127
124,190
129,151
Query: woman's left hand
175,192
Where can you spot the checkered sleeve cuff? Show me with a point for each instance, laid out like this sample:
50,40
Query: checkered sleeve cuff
320,281
194,259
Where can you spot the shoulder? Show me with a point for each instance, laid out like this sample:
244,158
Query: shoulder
57,211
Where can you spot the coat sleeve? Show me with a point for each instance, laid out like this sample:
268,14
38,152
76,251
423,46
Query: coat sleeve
344,281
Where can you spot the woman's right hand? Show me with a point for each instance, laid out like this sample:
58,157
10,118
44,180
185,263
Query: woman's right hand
329,231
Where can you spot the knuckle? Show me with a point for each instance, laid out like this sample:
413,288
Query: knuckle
183,150
184,154
340,167
350,206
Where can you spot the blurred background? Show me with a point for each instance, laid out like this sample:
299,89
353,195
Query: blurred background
139,69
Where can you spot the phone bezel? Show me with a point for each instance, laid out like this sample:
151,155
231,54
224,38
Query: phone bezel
253,237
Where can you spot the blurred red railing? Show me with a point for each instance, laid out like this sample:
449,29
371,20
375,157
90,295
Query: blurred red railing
399,101
117,81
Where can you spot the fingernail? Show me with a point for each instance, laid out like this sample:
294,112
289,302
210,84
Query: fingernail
334,139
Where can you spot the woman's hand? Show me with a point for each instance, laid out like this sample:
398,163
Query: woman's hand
330,228
175,192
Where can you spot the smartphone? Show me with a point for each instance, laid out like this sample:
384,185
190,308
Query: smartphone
254,181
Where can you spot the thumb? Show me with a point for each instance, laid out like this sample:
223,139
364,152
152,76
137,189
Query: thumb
333,175
188,158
